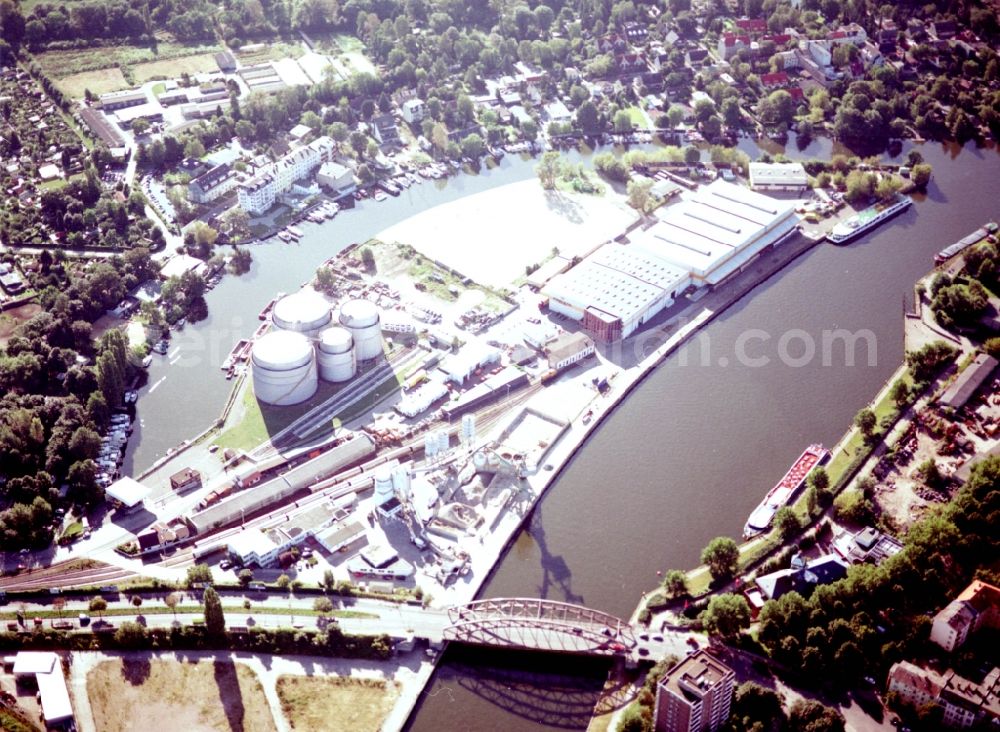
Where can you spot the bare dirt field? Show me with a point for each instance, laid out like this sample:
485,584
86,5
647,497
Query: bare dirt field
329,704
139,696
520,220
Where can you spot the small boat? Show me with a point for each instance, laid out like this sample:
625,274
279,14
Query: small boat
296,232
284,236
380,196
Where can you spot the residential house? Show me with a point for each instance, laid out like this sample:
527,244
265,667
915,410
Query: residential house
977,607
413,111
802,576
383,128
215,183
752,25
868,545
695,56
730,44
963,702
338,178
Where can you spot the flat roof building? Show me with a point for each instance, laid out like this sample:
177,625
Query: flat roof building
568,349
47,670
695,695
778,177
717,230
616,289
128,492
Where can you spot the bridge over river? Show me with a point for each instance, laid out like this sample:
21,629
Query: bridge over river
541,625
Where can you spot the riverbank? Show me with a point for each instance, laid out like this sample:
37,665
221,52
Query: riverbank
673,328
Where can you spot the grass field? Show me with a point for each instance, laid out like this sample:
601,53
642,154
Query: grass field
271,52
638,118
137,696
316,704
99,68
196,63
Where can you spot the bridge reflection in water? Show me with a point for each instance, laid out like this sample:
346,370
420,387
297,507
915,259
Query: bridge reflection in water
548,696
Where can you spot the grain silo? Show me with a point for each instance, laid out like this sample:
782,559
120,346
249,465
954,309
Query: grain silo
336,356
284,368
361,318
305,311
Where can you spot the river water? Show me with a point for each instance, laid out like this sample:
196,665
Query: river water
683,459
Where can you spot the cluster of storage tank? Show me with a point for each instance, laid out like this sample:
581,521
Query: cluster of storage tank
287,365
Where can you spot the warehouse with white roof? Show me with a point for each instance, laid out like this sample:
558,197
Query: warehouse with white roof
717,230
616,289
706,237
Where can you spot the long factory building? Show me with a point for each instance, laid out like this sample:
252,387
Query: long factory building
708,236
244,503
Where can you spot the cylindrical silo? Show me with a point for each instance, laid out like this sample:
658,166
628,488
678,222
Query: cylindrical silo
401,482
443,441
362,319
430,445
336,354
305,311
383,485
284,368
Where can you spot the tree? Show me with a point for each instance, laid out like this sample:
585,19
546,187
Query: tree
549,169
328,580
722,556
692,155
622,121
171,601
199,573
866,421
215,619
283,582
245,576
755,707
130,635
675,114
473,146
194,149
812,716
97,605
900,393
638,194
675,583
786,522
886,188
777,109
368,259
322,605
930,473
588,119
921,175
726,615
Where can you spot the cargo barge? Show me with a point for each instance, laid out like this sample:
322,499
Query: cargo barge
784,492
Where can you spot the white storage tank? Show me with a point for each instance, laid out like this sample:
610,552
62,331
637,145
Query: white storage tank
362,319
443,441
430,445
401,482
284,368
305,311
336,354
383,485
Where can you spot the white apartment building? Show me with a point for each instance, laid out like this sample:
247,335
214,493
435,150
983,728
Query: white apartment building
259,193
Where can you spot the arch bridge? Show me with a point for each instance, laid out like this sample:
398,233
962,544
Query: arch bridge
541,625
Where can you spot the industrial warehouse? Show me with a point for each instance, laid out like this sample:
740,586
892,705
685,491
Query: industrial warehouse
708,236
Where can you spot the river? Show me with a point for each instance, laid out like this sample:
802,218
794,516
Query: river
684,459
